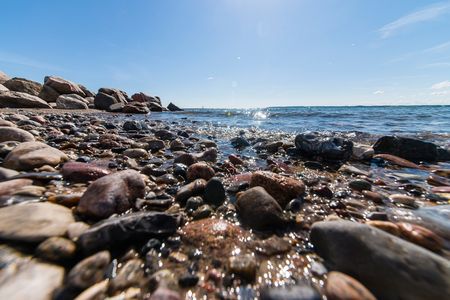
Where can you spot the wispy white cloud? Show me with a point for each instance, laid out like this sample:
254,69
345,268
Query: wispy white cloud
441,85
210,78
379,92
426,14
438,48
440,93
17,59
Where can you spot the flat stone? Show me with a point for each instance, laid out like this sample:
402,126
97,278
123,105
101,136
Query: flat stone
11,186
7,173
89,271
388,266
34,222
82,172
138,225
63,86
10,99
340,287
15,134
57,249
23,85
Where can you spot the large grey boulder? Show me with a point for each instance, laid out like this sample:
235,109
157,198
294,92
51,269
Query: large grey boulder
71,101
23,85
3,77
63,86
11,99
391,268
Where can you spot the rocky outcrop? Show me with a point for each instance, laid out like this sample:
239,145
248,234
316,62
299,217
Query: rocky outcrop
71,101
63,86
23,85
173,107
11,99
3,77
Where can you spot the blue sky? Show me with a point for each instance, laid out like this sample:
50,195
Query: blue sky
237,53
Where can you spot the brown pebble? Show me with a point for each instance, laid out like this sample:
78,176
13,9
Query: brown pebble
421,236
340,286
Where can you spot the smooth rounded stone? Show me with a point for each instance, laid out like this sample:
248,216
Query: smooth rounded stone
214,192
56,249
421,236
343,287
354,248
70,101
272,246
76,229
349,169
29,155
442,172
235,160
34,222
82,172
362,152
176,145
116,107
155,145
388,227
202,212
407,148
403,199
49,94
30,279
207,143
163,293
10,99
259,210
131,274
273,146
240,142
441,189
4,123
140,225
15,134
136,153
311,144
296,292
97,291
6,174
208,155
114,193
63,86
23,85
438,180
244,266
397,161
193,203
135,108
360,185
132,126
163,278
374,196
186,159
194,188
11,186
7,147
31,191
165,135
282,188
89,271
200,170
103,101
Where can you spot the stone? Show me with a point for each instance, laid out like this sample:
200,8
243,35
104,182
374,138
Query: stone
135,108
120,96
6,174
116,107
360,185
11,186
140,225
30,155
202,212
176,145
63,86
239,142
10,99
214,192
354,248
82,172
362,152
403,199
76,229
342,287
165,135
30,279
3,88
282,188
259,210
244,266
272,246
114,193
89,271
131,274
200,170
48,94
173,107
7,147
186,159
155,145
23,85
96,291
194,188
296,292
312,145
136,153
56,249
103,101
34,222
421,236
407,148
15,134
165,294
188,280
3,77
70,101
397,161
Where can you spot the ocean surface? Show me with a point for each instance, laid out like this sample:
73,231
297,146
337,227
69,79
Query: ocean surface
425,122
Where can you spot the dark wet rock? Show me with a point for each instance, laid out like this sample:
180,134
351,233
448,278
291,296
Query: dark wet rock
341,287
282,188
132,126
259,210
135,108
214,192
362,152
140,225
9,99
165,135
173,107
202,212
30,279
114,193
188,280
131,274
103,101
296,292
56,249
6,174
82,172
89,271
322,190
272,246
63,86
48,93
30,155
11,186
15,134
311,144
71,101
407,148
194,188
200,170
360,185
193,203
244,266
34,222
208,155
23,85
239,142
155,145
176,145
354,248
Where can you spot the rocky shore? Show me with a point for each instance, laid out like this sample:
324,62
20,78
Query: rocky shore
101,203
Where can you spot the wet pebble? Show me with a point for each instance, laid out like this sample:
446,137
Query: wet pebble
340,286
56,249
